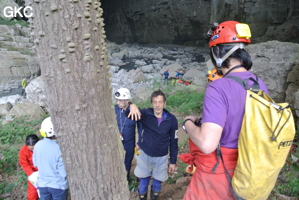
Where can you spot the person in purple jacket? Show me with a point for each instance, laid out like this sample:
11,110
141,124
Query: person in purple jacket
159,135
223,110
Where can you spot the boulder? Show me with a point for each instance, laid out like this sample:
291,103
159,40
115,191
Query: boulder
36,92
136,76
273,61
5,108
140,62
27,108
147,68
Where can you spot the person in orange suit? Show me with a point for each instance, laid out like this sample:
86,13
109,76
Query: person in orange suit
25,160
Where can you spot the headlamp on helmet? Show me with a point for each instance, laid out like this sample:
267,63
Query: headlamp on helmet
123,94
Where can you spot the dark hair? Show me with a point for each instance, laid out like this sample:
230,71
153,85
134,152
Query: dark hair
158,93
239,54
31,139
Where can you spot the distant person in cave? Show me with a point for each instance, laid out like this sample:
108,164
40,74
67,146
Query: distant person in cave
24,85
166,75
179,75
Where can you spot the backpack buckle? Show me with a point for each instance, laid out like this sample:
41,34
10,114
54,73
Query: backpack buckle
277,107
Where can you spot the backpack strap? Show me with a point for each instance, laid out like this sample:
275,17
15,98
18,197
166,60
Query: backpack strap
244,83
235,67
220,157
235,195
255,87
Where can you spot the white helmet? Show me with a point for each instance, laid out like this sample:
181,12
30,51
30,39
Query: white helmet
123,93
46,129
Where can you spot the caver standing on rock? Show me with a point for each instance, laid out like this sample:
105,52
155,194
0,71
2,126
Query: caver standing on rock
126,126
159,135
223,110
25,160
24,85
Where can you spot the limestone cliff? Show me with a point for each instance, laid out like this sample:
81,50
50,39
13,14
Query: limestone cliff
185,22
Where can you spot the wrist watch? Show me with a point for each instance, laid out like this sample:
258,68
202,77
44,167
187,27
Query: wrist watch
183,125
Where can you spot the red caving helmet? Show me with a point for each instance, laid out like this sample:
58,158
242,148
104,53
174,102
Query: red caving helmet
230,32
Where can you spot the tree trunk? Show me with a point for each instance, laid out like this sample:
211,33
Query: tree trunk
69,42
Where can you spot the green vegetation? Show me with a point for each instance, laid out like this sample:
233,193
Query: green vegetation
4,21
182,100
6,188
185,102
133,183
291,172
180,172
10,160
16,131
291,188
12,138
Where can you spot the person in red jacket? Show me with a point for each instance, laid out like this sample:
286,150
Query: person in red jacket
25,160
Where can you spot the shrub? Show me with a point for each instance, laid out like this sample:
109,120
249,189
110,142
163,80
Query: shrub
16,131
4,21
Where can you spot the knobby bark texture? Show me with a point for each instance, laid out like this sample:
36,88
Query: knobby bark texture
69,42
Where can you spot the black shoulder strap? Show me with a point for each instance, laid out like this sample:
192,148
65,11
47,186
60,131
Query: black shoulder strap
229,71
244,83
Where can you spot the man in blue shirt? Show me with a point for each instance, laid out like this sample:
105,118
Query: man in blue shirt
52,178
166,74
126,126
158,137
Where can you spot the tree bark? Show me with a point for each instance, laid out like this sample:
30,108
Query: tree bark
69,42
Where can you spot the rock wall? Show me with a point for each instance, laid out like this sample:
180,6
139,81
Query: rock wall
273,62
16,58
185,22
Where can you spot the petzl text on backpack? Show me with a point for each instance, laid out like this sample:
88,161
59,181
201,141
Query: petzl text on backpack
265,139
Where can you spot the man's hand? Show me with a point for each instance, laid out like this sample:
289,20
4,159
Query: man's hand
137,147
171,168
134,112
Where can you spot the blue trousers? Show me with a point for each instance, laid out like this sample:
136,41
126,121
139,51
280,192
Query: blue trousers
143,186
47,193
129,155
165,81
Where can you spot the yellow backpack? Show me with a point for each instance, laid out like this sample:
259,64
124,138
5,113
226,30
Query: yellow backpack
267,133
